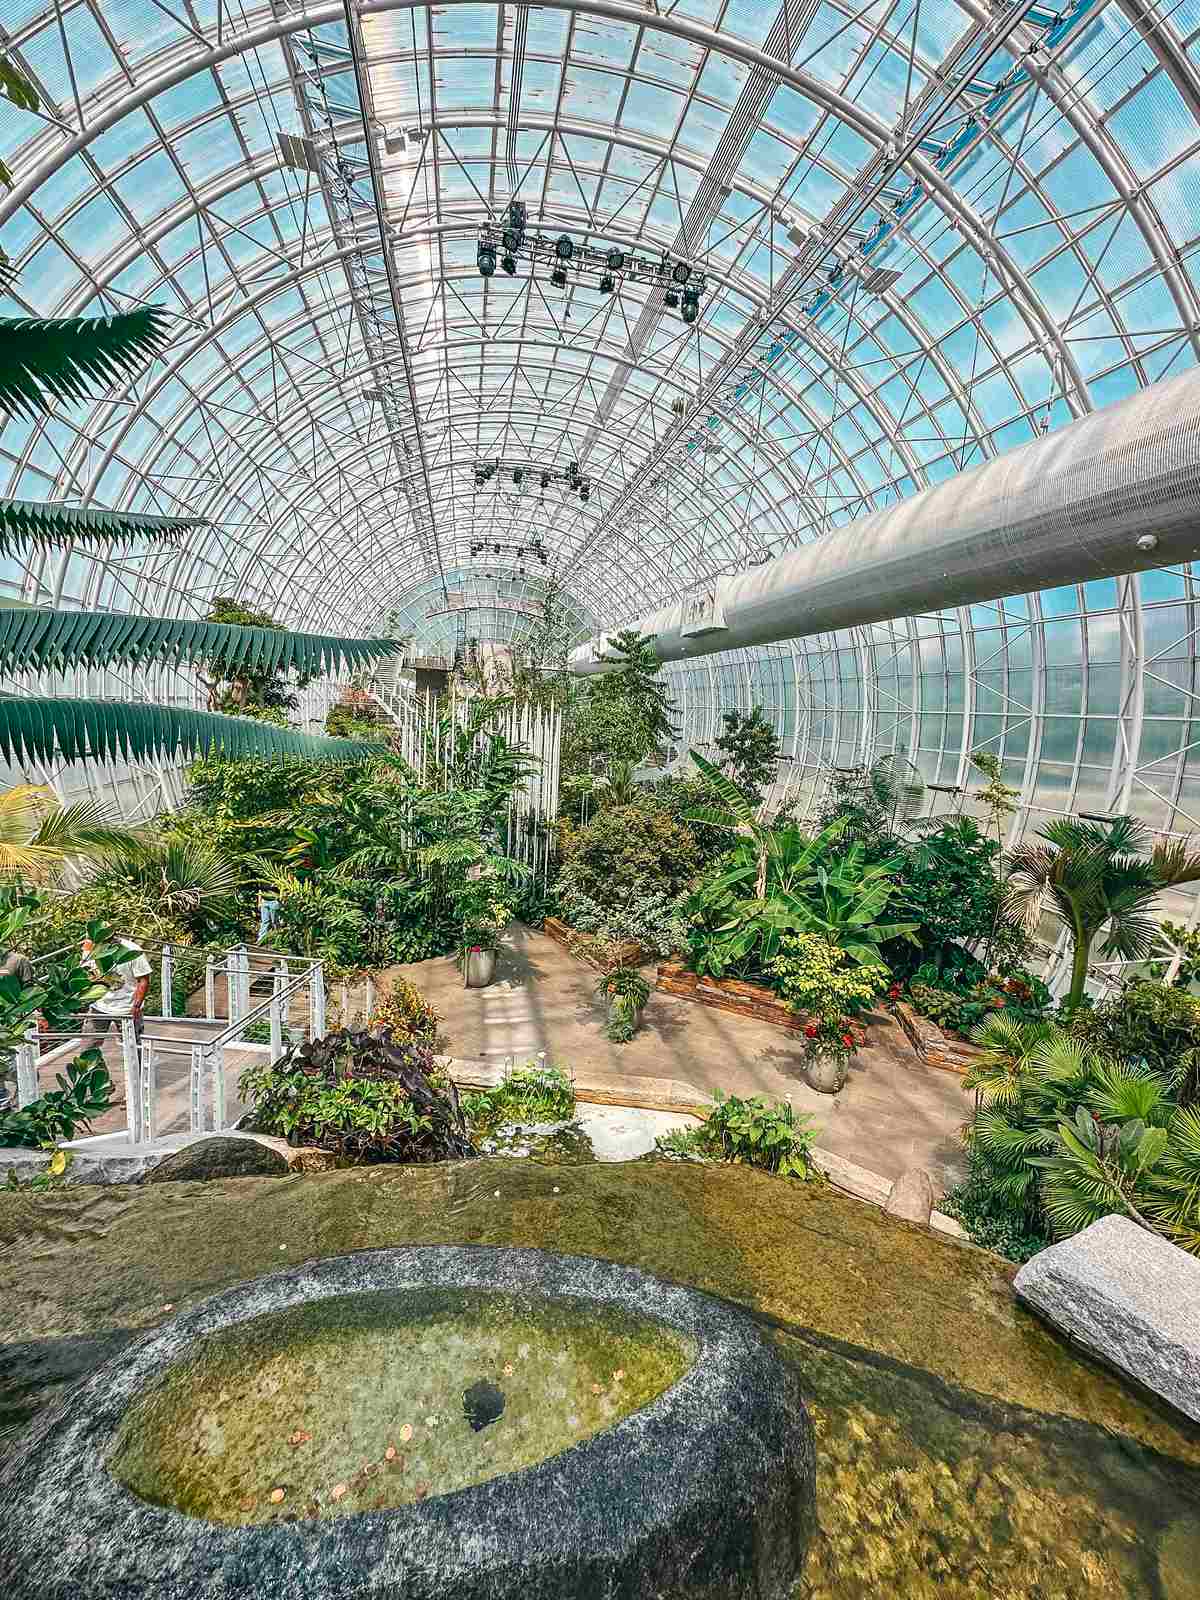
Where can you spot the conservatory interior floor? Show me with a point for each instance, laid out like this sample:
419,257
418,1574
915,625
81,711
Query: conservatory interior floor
894,1112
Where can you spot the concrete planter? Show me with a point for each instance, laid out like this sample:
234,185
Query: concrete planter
826,1074
481,968
620,1009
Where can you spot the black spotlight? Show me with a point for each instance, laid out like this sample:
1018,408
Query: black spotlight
681,272
585,494
615,260
545,480
485,259
509,263
564,247
607,283
671,300
559,277
691,305
511,239
496,549
518,476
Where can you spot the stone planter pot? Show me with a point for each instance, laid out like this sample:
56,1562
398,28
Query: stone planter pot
620,1010
826,1074
481,968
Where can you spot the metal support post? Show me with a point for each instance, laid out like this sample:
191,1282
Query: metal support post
133,1080
216,1057
196,1091
149,1090
210,988
166,980
27,1073
316,984
277,982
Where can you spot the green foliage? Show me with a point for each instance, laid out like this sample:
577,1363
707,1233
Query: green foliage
655,920
1187,942
406,1015
949,878
1148,1022
815,976
54,730
37,640
625,992
43,359
962,1008
996,797
188,882
626,714
870,803
625,854
525,1094
59,1114
749,752
17,89
357,716
362,1097
1098,876
62,988
750,1133
49,527
980,1205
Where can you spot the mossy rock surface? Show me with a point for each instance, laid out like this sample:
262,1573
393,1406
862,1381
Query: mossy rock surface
963,1449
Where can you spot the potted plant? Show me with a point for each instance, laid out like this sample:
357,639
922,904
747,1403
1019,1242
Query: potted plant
829,1041
626,992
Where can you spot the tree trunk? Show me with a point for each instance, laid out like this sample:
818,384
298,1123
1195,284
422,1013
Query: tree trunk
1079,966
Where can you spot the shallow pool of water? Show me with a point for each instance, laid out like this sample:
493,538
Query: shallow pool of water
368,1401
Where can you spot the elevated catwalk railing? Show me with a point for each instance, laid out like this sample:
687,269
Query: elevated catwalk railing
181,1074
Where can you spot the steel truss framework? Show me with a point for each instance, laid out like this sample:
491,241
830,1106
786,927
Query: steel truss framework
929,228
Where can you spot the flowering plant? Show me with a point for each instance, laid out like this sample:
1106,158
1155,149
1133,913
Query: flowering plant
828,1033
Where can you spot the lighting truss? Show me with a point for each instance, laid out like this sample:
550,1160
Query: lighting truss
612,263
523,475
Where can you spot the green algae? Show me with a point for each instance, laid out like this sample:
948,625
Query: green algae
964,1450
368,1401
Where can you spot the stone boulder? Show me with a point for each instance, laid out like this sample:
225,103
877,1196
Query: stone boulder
911,1197
220,1156
1129,1297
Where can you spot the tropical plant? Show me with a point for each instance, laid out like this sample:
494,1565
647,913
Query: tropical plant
949,877
1150,1022
625,714
1186,941
62,987
39,836
625,992
405,1013
1097,875
813,975
362,1097
531,1093
655,921
749,752
85,1092
988,1219
872,802
750,1133
624,855
186,880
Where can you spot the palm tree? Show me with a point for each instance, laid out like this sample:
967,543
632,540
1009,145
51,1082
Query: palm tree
184,878
1097,874
38,836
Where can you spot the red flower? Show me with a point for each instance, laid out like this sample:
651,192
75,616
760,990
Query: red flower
811,1031
894,991
848,1041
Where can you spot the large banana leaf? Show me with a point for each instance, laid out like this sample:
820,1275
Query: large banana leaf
43,359
48,730
37,640
29,522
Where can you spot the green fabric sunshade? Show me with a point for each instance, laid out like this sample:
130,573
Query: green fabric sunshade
61,729
36,640
30,522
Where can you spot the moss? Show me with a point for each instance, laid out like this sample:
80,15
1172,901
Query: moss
965,1450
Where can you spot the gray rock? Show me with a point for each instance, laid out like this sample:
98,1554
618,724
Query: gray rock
115,1164
1129,1297
220,1156
911,1197
706,1491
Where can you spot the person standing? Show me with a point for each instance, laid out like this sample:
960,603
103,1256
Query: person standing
15,963
268,913
128,984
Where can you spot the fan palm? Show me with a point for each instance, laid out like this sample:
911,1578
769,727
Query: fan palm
1097,875
184,878
39,836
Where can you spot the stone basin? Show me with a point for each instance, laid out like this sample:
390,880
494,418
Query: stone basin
461,1422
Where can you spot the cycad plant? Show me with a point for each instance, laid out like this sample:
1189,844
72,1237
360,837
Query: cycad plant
1097,875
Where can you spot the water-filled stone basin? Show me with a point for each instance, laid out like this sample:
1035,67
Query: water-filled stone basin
361,1402
458,1423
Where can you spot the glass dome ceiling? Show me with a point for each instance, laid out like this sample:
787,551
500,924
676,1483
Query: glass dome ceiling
928,231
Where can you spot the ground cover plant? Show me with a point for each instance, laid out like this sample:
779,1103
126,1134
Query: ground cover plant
532,1093
750,1133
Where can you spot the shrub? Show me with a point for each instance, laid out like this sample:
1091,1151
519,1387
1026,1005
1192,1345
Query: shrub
406,1014
526,1094
655,921
1019,994
627,853
990,1219
362,1097
84,1093
1150,1022
750,1133
813,975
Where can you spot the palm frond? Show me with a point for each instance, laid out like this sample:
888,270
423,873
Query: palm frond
1172,863
25,522
43,359
61,729
37,640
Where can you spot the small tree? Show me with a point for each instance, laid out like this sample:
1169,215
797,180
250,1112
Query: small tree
625,715
749,751
247,691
